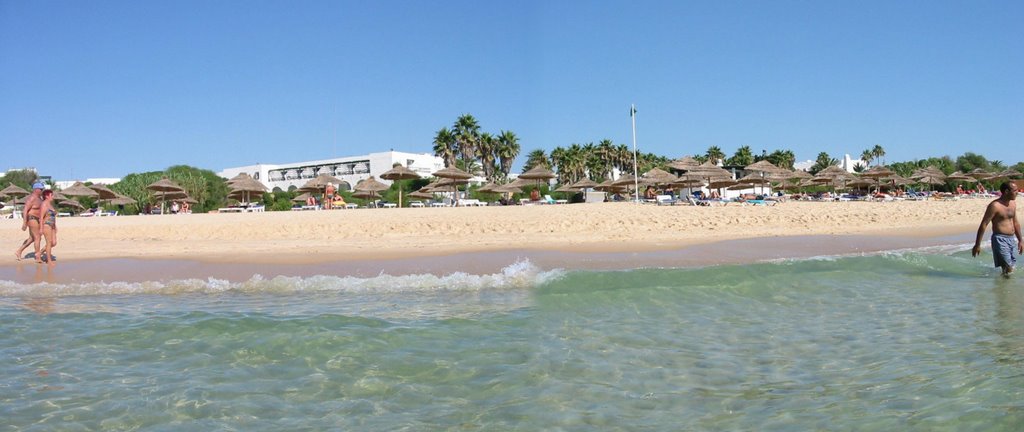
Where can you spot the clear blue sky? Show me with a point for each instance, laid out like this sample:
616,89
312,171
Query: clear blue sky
106,88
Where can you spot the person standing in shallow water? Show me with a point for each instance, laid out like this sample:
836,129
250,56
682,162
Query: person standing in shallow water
30,219
1006,239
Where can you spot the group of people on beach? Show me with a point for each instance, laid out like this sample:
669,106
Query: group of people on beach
39,218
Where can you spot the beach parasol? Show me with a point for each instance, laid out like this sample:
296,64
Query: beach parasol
959,176
538,174
70,203
659,177
371,185
877,171
422,194
585,183
367,195
240,176
163,188
685,163
318,183
1005,174
121,200
303,197
79,190
456,176
397,173
245,186
105,194
13,191
979,174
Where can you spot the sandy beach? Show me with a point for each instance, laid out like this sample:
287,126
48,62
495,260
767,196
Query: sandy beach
379,234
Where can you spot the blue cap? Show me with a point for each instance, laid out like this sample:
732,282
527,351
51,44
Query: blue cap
38,185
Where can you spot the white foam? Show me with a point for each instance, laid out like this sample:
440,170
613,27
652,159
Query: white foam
519,275
948,249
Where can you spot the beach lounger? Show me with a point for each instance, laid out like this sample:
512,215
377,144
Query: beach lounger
416,204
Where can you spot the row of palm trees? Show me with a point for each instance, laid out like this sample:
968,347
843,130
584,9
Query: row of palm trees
464,145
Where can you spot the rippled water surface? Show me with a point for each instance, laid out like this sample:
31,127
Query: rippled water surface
922,340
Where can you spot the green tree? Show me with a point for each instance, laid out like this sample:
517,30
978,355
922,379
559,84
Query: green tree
467,136
445,147
715,154
970,161
782,158
508,150
202,185
823,161
867,156
536,158
487,148
744,156
19,178
879,153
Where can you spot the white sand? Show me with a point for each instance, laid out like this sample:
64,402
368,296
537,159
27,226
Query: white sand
311,236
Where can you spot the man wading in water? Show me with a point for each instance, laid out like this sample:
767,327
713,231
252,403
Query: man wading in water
1006,239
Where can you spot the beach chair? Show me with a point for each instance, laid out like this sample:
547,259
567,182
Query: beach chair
665,200
418,204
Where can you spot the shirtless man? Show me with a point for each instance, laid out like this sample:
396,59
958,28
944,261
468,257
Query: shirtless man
1006,239
30,218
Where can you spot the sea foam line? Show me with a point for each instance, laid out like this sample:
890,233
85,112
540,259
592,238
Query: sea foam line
519,275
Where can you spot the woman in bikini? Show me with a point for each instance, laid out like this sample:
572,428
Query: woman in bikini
49,225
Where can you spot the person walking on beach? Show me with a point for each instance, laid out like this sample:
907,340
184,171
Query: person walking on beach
48,224
30,219
1006,239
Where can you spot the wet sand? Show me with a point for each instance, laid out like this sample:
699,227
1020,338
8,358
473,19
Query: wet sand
738,251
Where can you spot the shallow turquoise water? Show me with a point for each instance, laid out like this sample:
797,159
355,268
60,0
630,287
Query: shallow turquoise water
919,340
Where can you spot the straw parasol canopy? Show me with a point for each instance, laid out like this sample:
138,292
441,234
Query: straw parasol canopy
877,171
567,189
453,174
240,176
685,163
765,167
162,185
508,188
930,175
371,185
13,191
366,194
121,200
487,188
399,172
104,192
659,176
79,190
318,183
959,176
245,186
538,173
422,194
979,173
1005,174
70,203
752,179
585,183
721,183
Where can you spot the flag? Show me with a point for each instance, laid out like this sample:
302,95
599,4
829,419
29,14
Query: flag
632,110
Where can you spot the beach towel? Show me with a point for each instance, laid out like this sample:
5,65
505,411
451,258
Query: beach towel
1004,250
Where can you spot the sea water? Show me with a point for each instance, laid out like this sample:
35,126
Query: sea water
928,339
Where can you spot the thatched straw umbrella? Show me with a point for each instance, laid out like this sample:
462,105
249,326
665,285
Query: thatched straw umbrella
456,177
397,173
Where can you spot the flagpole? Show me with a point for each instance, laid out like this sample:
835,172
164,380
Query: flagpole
636,180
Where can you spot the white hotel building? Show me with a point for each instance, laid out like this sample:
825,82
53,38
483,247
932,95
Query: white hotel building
350,170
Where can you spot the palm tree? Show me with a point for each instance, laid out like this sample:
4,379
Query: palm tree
823,161
715,154
879,153
508,149
605,151
445,147
867,156
467,135
536,158
743,157
782,158
486,149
